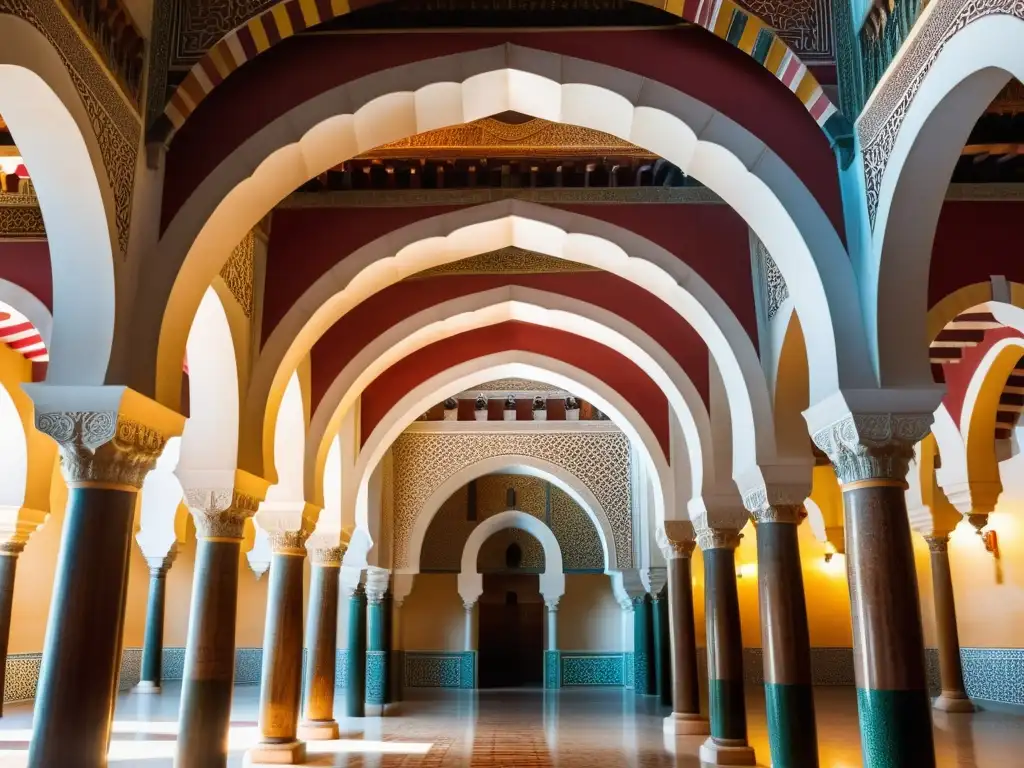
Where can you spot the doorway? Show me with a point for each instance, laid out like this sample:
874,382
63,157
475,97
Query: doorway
511,632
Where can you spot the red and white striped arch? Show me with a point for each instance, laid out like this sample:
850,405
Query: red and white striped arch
18,333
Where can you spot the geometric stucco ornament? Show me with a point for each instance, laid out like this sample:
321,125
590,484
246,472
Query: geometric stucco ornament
100,447
873,446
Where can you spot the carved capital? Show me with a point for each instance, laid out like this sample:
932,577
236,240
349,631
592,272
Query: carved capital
468,606
718,538
873,446
779,513
291,543
101,448
938,542
377,581
159,566
220,513
12,548
680,549
327,557
552,605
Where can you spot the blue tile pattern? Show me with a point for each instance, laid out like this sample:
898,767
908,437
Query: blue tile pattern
340,669
627,669
641,673
552,669
467,670
248,666
425,669
994,674
592,668
173,667
376,676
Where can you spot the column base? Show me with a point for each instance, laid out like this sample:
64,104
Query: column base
686,724
954,701
319,730
286,753
373,710
726,752
146,686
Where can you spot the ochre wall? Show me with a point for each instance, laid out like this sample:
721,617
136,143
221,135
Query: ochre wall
589,618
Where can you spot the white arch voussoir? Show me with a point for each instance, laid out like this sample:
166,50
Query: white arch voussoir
53,130
507,364
552,580
529,465
966,75
451,90
497,305
557,233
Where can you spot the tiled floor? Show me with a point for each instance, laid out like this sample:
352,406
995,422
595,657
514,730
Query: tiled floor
581,728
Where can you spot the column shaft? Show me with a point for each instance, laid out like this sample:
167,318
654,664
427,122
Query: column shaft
321,651
685,717
209,673
8,567
643,647
281,676
78,681
888,641
376,656
355,659
725,646
786,644
153,641
953,697
662,652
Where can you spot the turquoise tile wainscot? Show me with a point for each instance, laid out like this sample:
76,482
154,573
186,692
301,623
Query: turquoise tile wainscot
440,669
552,669
627,669
587,668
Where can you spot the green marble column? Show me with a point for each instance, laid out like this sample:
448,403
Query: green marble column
355,659
318,723
9,552
871,454
643,647
153,640
376,642
281,676
727,744
785,640
662,654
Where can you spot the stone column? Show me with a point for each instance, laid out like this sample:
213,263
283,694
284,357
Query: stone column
397,651
727,744
785,639
104,457
643,647
376,643
153,640
662,655
469,630
552,656
281,675
9,552
870,454
209,673
953,697
318,721
355,658
685,718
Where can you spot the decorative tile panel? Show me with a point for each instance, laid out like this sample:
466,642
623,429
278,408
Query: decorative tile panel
173,666
994,674
424,461
376,676
592,668
553,669
433,670
248,665
340,669
467,670
131,669
629,679
22,676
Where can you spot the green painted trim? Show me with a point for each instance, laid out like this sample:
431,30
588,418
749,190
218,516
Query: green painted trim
792,735
896,728
727,709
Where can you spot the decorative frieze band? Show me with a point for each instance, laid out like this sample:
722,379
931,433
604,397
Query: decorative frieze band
102,448
873,446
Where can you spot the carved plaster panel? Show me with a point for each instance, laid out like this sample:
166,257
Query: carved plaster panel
21,217
773,285
423,462
879,124
505,261
238,273
873,446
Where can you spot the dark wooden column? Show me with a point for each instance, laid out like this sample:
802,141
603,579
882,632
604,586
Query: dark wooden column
785,639
281,677
870,454
727,744
953,697
318,721
9,552
685,718
104,458
209,674
153,640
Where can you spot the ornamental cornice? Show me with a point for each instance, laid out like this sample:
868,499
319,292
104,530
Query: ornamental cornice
102,448
873,446
718,538
880,122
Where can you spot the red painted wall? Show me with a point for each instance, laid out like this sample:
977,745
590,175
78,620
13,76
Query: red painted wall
306,243
686,58
359,327
973,241
959,375
618,372
28,265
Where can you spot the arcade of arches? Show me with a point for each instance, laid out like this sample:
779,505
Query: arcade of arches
500,382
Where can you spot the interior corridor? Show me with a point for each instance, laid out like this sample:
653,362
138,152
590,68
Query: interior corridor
572,728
